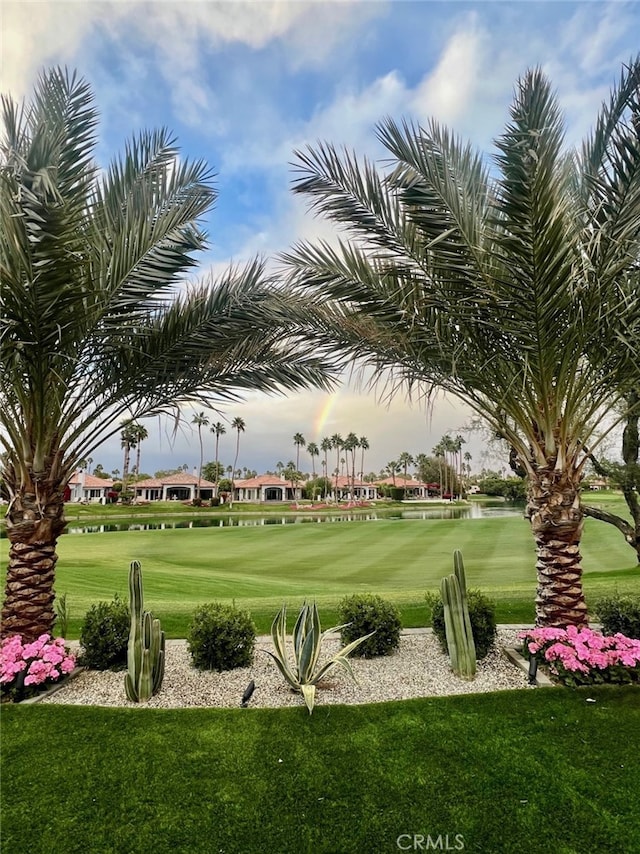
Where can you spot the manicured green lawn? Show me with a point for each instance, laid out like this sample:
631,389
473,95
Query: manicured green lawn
259,567
262,566
525,771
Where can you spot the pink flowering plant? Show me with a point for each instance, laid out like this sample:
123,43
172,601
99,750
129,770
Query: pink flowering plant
584,657
26,668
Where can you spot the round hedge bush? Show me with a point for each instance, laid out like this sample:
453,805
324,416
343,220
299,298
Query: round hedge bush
366,613
619,613
483,621
221,637
104,635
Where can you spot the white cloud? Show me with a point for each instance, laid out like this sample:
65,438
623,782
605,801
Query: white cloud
447,92
39,34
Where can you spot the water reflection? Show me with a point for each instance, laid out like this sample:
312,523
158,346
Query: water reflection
472,511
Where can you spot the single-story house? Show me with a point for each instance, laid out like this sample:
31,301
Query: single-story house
267,487
361,491
273,487
173,487
83,486
413,488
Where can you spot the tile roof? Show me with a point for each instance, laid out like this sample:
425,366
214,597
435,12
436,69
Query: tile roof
90,481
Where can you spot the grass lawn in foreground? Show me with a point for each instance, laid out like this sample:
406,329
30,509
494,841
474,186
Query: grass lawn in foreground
522,771
260,567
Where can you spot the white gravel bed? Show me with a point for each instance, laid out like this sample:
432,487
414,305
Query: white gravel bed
417,669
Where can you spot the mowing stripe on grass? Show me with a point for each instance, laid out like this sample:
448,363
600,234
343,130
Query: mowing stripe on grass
259,567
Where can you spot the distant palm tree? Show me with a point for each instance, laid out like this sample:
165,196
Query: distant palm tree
449,447
325,446
294,477
364,446
313,451
351,446
459,442
299,441
467,459
219,429
127,441
337,442
140,433
405,460
393,468
201,420
438,453
97,323
238,425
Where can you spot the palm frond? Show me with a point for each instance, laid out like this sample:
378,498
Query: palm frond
92,329
445,189
499,306
144,222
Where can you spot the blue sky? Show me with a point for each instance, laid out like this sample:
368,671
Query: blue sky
245,84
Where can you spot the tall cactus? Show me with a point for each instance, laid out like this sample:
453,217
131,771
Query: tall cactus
460,643
145,652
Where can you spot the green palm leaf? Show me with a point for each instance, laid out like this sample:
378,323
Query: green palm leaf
515,289
98,324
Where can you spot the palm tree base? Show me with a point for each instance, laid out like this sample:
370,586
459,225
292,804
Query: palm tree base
29,595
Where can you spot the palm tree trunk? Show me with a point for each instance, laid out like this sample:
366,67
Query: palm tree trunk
125,467
557,520
34,523
216,477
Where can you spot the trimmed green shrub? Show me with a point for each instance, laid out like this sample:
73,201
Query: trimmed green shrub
481,614
366,613
221,637
619,614
105,634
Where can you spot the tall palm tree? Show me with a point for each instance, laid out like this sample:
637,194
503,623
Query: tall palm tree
513,288
219,429
450,448
96,322
364,446
201,420
438,453
337,443
299,441
325,447
351,446
127,441
140,434
313,451
459,442
467,458
238,425
405,460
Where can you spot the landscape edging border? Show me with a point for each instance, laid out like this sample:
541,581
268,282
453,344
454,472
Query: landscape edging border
515,657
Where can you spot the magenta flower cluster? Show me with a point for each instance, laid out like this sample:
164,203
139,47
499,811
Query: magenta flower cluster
33,664
582,656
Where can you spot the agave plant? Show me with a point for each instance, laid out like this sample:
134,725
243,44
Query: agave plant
305,673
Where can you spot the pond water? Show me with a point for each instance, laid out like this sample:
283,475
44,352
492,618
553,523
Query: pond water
472,511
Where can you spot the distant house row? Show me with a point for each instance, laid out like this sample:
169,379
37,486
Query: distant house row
265,487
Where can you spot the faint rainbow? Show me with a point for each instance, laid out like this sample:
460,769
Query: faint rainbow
324,415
